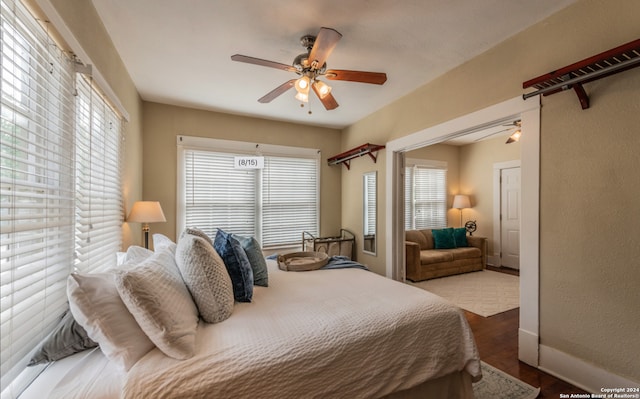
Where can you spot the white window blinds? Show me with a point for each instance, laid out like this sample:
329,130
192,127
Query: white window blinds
425,197
99,150
219,196
36,186
60,191
370,207
289,200
275,204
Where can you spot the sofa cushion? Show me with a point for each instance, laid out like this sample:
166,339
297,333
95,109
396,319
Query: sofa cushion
435,256
429,237
465,253
443,238
417,237
460,236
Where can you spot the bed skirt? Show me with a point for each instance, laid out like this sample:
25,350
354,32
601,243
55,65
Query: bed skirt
456,385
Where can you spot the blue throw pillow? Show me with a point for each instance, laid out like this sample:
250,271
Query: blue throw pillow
460,237
256,259
443,238
237,263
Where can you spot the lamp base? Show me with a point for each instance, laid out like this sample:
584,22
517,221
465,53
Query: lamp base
145,229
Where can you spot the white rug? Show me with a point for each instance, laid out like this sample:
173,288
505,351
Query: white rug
496,384
485,293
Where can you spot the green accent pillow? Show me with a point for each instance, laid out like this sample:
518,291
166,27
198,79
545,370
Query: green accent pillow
460,236
443,238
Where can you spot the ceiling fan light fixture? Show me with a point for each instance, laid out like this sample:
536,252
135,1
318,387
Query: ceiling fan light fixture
514,137
321,88
302,84
304,97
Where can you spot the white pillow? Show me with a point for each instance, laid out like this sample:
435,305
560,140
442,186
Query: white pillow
161,242
161,304
137,254
96,305
206,277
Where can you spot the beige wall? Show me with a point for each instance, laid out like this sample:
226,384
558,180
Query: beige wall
589,173
83,21
162,123
476,180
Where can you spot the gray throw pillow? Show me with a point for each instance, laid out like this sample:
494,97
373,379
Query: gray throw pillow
194,231
256,259
66,339
206,277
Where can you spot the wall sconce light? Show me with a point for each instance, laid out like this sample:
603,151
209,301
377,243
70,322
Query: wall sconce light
146,212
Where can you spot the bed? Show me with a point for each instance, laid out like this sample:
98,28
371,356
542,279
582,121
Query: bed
338,333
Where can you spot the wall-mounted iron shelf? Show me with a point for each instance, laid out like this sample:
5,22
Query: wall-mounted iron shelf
347,156
593,68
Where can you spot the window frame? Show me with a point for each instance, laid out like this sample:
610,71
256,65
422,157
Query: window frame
410,202
240,148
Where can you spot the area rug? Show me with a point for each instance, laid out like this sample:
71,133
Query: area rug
485,293
496,384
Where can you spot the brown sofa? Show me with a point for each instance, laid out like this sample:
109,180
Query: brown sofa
424,262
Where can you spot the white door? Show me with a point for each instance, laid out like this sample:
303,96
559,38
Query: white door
510,217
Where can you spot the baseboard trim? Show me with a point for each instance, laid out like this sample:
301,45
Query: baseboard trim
528,347
580,373
493,260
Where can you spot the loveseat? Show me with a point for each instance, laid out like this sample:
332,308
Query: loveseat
427,259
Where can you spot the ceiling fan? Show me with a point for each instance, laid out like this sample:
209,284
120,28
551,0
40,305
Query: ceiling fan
312,65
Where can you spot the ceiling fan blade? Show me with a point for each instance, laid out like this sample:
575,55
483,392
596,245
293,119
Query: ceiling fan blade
328,101
377,78
277,91
261,62
325,42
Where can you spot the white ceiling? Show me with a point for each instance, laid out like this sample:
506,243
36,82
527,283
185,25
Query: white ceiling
178,51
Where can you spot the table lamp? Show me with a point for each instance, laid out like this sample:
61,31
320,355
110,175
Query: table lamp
146,212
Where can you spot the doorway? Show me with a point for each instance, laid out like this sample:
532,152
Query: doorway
506,215
529,112
510,218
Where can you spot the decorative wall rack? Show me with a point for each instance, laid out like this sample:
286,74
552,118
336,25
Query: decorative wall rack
593,68
347,156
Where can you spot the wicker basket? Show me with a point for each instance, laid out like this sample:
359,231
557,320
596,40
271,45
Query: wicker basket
302,261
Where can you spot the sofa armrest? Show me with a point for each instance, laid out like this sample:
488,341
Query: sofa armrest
480,243
412,258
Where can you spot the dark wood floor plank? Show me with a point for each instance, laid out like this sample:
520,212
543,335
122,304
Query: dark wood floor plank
497,341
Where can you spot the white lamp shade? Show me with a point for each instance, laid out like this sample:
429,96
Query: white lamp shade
146,212
461,202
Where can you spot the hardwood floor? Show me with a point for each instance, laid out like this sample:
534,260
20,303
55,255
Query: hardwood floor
497,341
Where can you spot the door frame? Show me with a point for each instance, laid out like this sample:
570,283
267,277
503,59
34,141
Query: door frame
528,111
495,259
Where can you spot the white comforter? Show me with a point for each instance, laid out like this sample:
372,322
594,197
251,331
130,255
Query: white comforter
323,334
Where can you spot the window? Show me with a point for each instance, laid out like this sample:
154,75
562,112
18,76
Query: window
99,210
425,195
55,186
274,204
36,186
